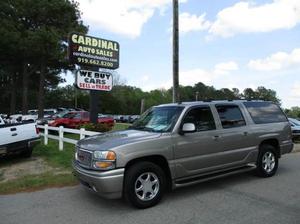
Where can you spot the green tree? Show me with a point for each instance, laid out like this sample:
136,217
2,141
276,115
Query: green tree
294,112
35,39
267,94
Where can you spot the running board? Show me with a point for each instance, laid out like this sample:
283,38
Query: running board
207,177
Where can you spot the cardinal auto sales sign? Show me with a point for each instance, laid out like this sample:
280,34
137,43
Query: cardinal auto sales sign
92,54
91,80
92,51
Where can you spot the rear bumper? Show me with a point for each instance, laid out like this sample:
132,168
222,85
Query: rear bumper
33,142
18,146
107,184
286,147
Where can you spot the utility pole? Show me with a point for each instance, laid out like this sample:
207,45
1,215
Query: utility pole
175,53
142,106
197,96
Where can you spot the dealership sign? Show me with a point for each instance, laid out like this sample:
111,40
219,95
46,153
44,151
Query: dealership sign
92,51
91,80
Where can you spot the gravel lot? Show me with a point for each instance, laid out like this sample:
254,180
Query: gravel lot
237,199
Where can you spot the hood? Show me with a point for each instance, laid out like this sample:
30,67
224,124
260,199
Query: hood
114,139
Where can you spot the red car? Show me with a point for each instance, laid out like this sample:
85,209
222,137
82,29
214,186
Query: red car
75,118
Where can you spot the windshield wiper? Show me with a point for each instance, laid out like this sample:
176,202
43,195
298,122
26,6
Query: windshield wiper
142,128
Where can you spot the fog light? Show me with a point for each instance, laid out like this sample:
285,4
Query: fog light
103,165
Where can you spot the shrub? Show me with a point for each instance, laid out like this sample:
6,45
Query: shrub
99,127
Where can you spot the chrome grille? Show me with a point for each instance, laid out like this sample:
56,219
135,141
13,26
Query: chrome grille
84,157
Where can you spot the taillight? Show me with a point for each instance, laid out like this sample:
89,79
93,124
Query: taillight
37,130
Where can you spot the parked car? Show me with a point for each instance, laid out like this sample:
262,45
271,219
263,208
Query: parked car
76,118
20,117
295,125
176,145
32,112
18,137
133,118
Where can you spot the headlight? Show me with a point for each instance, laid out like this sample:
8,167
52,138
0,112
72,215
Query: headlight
104,155
104,160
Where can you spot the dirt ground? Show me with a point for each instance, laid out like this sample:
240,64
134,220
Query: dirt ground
296,147
31,166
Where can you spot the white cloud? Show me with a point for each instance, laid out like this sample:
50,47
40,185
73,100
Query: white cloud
145,78
191,77
277,61
125,17
148,86
295,92
189,22
226,67
248,17
292,98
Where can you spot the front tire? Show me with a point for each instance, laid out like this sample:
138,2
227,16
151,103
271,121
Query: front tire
144,184
267,161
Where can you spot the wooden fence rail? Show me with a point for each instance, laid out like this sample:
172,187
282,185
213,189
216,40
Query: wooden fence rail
61,130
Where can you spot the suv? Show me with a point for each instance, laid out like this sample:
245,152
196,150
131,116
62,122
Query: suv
176,145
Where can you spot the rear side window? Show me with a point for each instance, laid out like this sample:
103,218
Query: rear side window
202,118
230,116
265,112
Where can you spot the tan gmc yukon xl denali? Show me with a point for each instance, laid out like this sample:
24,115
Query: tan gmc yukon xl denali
175,145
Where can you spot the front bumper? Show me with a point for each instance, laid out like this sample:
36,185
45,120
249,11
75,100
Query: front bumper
295,134
108,184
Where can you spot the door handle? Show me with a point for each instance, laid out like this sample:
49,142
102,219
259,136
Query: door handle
13,129
14,134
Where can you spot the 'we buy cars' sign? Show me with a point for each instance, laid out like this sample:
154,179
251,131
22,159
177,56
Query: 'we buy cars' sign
93,51
91,80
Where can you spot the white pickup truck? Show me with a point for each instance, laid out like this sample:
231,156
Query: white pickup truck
18,137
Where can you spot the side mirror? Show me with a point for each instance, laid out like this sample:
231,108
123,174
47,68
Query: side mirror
188,128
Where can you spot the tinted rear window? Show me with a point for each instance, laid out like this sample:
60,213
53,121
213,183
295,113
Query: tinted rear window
265,112
230,116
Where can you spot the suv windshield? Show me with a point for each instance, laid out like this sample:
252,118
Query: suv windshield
158,119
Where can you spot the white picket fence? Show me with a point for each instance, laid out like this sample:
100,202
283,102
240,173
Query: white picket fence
61,130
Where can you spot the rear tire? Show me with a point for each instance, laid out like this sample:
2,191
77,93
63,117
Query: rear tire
144,184
267,161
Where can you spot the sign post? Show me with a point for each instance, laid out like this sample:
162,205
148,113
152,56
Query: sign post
93,53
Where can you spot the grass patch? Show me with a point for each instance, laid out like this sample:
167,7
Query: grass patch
61,159
120,126
1,175
55,158
72,136
37,182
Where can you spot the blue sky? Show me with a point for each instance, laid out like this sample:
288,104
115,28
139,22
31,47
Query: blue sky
224,43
